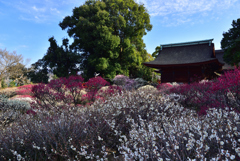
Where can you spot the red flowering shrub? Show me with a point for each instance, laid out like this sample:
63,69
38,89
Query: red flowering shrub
74,84
92,86
48,97
163,87
69,90
102,94
59,91
220,93
25,90
57,84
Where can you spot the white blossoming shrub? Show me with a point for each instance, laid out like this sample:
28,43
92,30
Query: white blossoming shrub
120,80
134,125
140,82
10,110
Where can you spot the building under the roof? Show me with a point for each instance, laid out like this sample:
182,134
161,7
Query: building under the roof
181,62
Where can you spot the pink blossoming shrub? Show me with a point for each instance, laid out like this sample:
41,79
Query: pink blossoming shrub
68,91
220,93
48,97
92,86
164,87
74,84
103,94
130,84
25,90
125,82
120,80
59,92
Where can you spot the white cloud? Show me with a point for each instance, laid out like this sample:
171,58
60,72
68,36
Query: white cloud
37,19
42,11
38,9
55,10
163,7
182,11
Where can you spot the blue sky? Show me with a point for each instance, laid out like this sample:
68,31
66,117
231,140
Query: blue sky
26,25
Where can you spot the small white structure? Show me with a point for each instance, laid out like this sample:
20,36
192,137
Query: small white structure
96,74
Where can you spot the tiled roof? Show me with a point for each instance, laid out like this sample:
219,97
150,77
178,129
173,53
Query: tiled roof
186,53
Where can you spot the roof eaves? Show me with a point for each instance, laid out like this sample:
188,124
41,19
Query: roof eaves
187,43
149,64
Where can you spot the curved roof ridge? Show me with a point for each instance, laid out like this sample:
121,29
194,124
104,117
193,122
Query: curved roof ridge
184,55
187,43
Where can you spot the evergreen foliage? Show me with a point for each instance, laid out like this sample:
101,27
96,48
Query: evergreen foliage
156,52
108,34
61,61
231,44
39,74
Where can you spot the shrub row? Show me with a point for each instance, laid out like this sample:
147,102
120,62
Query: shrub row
127,83
64,92
220,93
128,126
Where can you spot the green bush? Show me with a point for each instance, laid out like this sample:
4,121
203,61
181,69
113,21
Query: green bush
4,84
12,84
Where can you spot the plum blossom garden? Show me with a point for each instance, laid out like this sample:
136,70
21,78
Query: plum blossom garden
69,119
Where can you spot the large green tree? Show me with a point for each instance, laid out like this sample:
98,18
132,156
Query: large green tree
231,44
62,61
108,35
40,72
59,60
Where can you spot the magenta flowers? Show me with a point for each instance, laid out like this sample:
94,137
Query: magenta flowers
71,90
220,93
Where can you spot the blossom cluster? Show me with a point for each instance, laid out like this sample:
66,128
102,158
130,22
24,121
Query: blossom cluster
25,90
220,93
132,125
128,125
71,91
129,84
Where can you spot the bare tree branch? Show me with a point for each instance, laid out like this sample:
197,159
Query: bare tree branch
11,65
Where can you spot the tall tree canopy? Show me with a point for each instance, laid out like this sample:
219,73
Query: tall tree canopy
231,44
61,61
108,35
40,72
